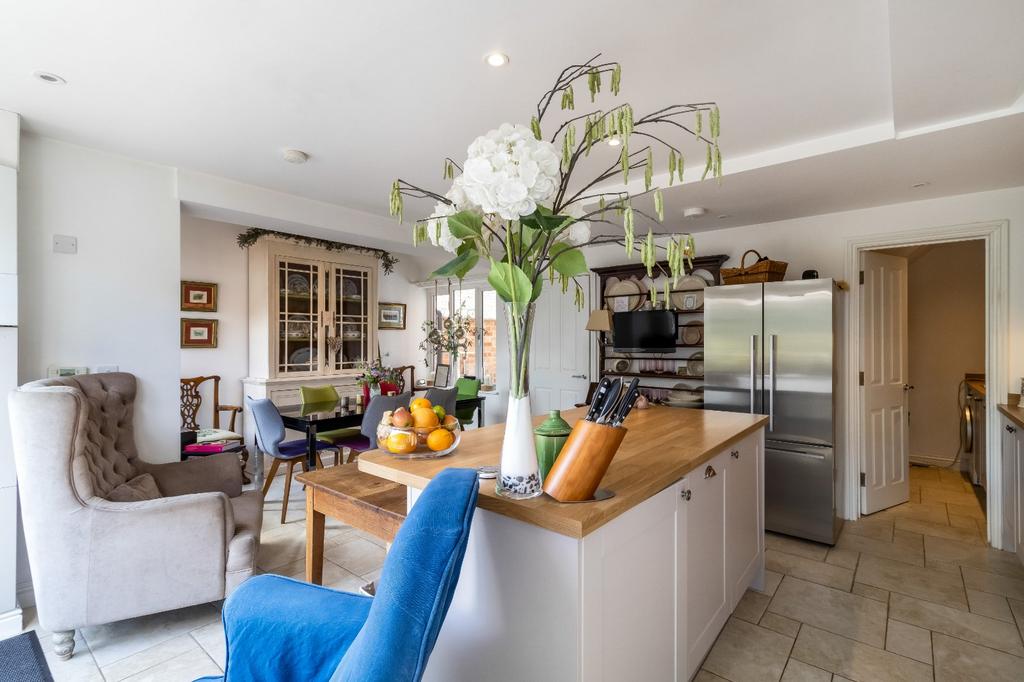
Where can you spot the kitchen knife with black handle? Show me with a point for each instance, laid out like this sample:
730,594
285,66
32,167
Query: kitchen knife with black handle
628,400
598,399
608,406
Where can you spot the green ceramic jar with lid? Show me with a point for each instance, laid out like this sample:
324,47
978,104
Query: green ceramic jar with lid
549,437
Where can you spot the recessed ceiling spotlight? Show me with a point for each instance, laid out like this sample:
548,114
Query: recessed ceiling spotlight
295,156
694,212
496,59
919,185
47,77
614,141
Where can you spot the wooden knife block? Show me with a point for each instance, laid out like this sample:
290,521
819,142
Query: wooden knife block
584,459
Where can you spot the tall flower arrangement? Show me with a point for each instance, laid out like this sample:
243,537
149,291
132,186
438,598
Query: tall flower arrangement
451,335
517,203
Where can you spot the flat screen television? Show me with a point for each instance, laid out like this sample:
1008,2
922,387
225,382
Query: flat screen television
644,331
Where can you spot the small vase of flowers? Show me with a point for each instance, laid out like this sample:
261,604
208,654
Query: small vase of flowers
376,379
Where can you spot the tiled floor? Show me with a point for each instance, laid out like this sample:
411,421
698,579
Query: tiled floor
189,643
910,593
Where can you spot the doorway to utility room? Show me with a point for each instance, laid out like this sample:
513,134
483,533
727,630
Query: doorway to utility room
923,358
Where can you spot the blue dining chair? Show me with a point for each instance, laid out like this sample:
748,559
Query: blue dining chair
270,440
282,629
366,439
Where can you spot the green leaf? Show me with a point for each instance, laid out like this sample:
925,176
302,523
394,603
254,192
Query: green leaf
648,171
458,266
707,163
700,124
466,225
659,205
510,282
567,260
616,79
535,127
544,219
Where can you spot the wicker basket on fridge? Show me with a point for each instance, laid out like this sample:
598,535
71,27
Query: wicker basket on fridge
764,270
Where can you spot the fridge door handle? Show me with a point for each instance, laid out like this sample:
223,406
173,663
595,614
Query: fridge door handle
771,382
753,369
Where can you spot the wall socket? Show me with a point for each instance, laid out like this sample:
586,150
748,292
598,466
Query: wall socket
63,243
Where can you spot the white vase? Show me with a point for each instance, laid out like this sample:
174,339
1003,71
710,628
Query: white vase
519,474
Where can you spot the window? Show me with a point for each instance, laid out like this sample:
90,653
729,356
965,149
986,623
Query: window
481,357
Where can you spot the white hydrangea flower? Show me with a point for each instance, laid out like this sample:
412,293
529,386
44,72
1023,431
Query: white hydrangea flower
579,232
438,231
508,171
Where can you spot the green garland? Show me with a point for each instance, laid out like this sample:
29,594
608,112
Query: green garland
253,234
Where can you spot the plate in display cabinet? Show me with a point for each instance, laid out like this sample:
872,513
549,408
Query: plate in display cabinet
298,284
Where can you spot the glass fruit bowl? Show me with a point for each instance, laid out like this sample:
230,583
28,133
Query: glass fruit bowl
404,440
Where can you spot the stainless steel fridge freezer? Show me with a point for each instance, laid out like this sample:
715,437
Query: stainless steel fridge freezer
770,349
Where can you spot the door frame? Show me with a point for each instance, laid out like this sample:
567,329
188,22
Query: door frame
995,235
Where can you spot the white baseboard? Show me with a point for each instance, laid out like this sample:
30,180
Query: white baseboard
11,623
26,595
929,461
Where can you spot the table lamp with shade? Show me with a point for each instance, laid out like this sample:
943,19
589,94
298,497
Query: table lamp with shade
600,321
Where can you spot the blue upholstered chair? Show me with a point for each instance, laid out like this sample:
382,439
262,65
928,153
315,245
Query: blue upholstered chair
283,629
270,440
445,397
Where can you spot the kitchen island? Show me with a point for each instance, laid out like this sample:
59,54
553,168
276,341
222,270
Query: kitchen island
637,586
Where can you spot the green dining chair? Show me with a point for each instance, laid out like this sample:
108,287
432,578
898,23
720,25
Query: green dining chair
467,388
327,394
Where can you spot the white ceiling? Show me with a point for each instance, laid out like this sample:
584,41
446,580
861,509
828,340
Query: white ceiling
825,106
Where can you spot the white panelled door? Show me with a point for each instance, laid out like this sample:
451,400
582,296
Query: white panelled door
886,437
560,353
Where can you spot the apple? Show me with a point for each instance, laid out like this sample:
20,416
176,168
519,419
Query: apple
401,418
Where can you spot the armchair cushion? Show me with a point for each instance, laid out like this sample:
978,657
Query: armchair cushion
140,488
283,629
216,473
215,435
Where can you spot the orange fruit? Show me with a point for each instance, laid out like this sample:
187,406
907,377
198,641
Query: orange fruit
450,422
401,442
418,403
440,439
424,417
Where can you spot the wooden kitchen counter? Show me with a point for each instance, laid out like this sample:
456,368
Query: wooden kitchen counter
662,446
1013,413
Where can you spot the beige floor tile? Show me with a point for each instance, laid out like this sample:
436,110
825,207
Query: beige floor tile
798,671
115,641
952,475
915,495
771,582
920,474
972,510
751,606
856,661
958,521
211,638
909,640
144,660
958,497
871,592
283,545
847,558
356,555
842,613
988,632
986,581
705,676
335,577
808,569
967,535
187,666
924,583
789,545
905,549
991,605
871,527
81,667
960,661
748,652
976,556
926,511
1017,608
781,624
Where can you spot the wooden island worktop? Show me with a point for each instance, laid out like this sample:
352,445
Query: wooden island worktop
663,444
637,586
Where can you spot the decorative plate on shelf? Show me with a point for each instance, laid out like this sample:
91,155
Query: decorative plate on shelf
689,301
686,286
621,365
299,356
683,395
349,289
692,333
298,284
628,295
705,275
695,365
298,325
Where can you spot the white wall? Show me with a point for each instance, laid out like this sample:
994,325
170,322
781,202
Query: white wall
946,333
115,302
209,254
400,347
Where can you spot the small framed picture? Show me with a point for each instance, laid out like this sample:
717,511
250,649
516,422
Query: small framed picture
441,373
197,333
391,316
199,297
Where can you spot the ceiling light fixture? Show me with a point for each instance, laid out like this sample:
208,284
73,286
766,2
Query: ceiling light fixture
724,216
496,59
919,185
694,212
614,141
47,77
295,156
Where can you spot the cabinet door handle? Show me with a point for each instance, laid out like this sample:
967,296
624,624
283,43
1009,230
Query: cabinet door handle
710,472
1010,429
579,376
686,494
735,454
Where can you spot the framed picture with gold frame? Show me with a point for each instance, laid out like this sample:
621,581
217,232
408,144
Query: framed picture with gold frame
199,297
197,333
390,315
